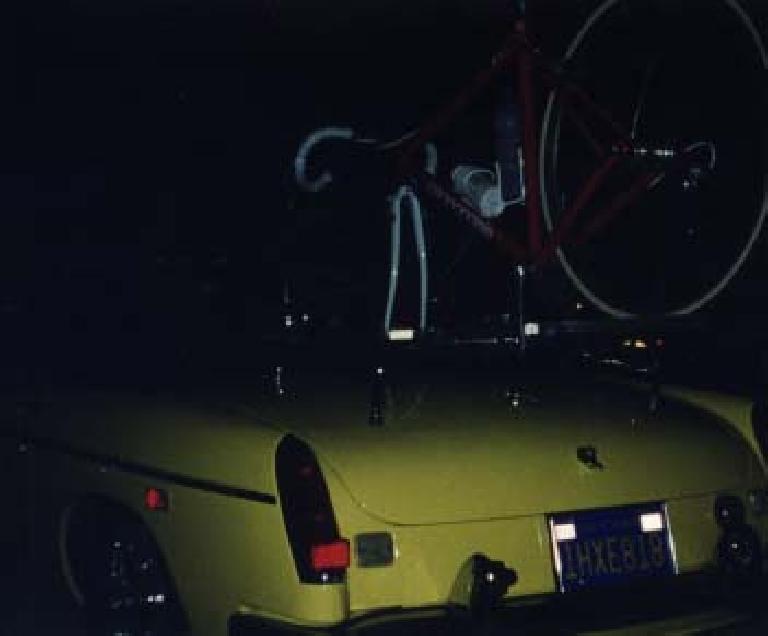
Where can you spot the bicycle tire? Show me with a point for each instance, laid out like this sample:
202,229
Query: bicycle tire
587,273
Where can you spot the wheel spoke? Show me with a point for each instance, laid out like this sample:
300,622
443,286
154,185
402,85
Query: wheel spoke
121,576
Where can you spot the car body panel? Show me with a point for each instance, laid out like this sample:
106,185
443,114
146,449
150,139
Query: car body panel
196,535
736,410
448,475
471,456
431,556
144,431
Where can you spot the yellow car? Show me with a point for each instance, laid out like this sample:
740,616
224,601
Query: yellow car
440,493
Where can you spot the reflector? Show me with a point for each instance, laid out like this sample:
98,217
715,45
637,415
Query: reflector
729,511
330,556
374,549
403,334
155,499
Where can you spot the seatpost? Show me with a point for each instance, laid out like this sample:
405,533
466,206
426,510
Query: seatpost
529,125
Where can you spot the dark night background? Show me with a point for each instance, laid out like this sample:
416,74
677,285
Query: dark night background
149,212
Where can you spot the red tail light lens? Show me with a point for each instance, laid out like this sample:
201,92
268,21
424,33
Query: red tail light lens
330,556
155,499
321,555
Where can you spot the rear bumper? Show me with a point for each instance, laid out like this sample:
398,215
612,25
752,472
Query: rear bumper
400,621
685,603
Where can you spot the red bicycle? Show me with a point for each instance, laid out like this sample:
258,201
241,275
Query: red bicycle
643,174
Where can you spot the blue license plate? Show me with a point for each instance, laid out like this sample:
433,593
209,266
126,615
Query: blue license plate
610,546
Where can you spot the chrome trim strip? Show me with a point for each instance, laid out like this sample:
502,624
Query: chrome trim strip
670,538
557,563
114,462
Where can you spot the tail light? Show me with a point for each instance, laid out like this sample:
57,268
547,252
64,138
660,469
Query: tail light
321,555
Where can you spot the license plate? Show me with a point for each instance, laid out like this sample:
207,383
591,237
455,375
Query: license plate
596,548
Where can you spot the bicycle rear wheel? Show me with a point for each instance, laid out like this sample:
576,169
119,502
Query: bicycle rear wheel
673,74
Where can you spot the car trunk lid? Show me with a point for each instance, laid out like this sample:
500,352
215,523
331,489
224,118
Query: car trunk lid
482,452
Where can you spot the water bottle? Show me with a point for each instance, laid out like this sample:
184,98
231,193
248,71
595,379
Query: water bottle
479,186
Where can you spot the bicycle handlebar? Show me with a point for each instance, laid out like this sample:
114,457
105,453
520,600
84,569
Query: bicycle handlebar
328,133
300,162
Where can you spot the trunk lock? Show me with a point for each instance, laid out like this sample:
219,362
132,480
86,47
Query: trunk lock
587,455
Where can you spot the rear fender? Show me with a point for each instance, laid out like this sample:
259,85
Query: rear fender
734,409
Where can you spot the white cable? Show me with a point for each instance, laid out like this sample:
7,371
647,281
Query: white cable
396,142
421,252
431,159
346,134
405,193
394,262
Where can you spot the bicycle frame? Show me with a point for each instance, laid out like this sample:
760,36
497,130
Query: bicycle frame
517,54
567,159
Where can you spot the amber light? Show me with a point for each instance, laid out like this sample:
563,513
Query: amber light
155,499
330,556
